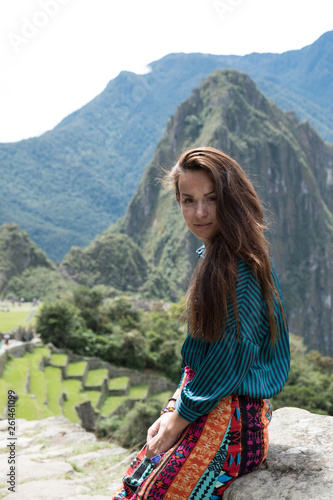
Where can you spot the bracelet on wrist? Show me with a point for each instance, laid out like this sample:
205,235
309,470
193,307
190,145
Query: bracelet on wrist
172,399
168,409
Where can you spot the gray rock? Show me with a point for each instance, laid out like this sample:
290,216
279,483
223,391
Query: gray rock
85,458
29,470
299,462
3,425
116,472
121,466
87,415
39,453
298,465
89,497
58,431
69,437
55,448
48,490
118,450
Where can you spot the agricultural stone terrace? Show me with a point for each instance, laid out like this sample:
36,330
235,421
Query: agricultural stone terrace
53,383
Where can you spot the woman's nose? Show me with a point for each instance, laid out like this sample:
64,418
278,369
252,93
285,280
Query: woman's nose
201,209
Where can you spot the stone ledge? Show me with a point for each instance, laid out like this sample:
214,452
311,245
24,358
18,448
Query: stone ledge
299,462
298,465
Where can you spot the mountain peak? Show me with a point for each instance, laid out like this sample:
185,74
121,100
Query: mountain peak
68,185
286,160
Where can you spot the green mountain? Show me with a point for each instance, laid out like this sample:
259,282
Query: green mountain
25,270
109,260
290,166
17,253
68,185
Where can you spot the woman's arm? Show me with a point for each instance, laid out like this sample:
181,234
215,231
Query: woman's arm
174,397
227,362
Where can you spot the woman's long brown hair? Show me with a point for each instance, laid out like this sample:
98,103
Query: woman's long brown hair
241,226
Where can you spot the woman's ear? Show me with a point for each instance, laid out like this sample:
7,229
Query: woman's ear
178,199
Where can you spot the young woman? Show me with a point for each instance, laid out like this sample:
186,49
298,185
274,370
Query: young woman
236,354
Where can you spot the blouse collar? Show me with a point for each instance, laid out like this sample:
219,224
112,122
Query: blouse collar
201,251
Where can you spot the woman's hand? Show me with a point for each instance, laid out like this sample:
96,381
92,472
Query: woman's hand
153,429
163,434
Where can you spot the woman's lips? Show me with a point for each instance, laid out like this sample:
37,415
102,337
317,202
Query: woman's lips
200,226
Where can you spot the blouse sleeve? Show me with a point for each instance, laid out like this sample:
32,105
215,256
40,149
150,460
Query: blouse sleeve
228,361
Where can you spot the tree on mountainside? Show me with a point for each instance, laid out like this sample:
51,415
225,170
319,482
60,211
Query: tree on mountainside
88,300
115,331
57,322
310,381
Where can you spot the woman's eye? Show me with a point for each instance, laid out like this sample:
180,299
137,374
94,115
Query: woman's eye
188,200
212,198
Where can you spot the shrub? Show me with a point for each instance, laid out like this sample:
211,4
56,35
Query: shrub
88,301
127,348
57,323
130,431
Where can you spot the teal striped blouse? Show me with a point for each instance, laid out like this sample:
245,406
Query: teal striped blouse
252,367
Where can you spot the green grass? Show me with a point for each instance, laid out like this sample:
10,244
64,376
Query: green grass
119,383
41,352
75,396
11,320
38,385
15,374
59,359
95,378
111,403
17,316
92,396
162,397
36,356
72,387
70,412
54,388
138,392
73,390
31,409
76,369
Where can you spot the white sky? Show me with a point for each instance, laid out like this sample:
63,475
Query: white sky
57,55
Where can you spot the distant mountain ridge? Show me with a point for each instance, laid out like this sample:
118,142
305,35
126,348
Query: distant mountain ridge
151,252
68,185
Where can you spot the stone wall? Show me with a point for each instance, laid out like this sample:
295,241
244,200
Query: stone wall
3,360
156,383
16,350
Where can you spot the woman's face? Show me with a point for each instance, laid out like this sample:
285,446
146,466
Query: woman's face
197,201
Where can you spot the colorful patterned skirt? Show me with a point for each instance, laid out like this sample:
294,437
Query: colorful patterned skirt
232,440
